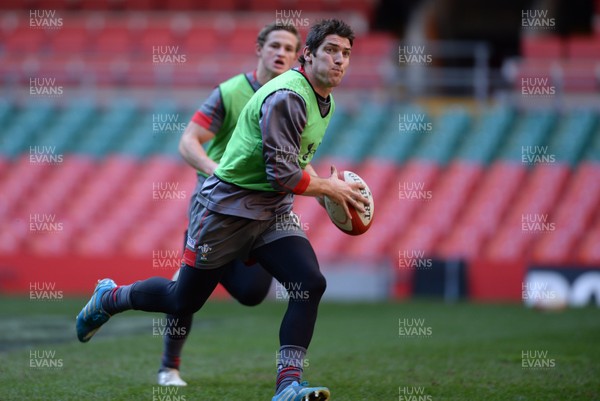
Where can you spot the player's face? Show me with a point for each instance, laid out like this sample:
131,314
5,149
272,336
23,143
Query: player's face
330,61
279,52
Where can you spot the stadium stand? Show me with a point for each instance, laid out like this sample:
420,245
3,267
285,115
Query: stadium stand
474,172
453,161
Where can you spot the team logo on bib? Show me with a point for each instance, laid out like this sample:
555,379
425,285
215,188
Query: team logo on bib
310,151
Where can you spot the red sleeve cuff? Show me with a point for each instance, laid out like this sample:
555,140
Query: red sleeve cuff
202,120
303,184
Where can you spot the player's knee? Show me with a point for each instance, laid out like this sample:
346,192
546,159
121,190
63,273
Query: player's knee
182,309
251,301
316,285
186,307
252,297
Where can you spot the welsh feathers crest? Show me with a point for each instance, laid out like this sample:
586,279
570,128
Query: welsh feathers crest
204,249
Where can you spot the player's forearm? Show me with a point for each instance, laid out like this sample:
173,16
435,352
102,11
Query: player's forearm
318,187
194,154
311,171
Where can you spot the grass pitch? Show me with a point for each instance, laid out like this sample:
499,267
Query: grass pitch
412,351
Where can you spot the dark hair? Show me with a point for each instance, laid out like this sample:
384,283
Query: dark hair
267,29
319,31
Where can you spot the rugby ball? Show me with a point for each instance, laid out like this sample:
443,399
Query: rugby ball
360,222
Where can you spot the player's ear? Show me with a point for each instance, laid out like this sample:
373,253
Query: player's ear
258,49
307,54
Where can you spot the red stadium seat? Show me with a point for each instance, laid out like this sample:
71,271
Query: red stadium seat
63,181
492,198
4,167
13,234
150,233
99,201
57,188
158,41
393,212
96,4
115,40
580,76
242,43
535,204
436,216
183,5
200,40
542,47
583,47
572,217
267,5
486,205
572,66
573,75
97,196
366,8
41,203
463,242
222,5
142,5
20,183
162,215
553,249
71,39
25,40
374,45
449,195
418,239
589,251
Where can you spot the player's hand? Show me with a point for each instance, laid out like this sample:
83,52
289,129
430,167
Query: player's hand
210,170
345,193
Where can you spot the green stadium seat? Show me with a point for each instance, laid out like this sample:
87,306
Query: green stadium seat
15,141
6,111
482,142
395,144
439,145
568,144
106,134
25,128
354,143
70,123
167,143
593,147
533,129
139,141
